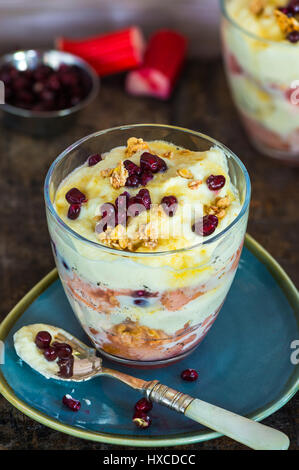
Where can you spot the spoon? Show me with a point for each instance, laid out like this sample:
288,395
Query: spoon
88,365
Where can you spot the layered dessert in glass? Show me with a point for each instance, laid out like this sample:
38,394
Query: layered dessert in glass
147,224
261,49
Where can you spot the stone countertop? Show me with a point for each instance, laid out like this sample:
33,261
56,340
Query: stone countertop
201,102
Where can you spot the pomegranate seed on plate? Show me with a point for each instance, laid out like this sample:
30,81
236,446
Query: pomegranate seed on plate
43,339
64,350
50,353
190,375
66,367
141,420
143,405
71,403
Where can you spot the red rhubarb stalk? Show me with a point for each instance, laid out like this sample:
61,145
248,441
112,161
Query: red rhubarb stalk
110,53
162,64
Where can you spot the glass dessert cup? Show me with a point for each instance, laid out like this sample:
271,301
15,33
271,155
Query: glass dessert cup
264,80
145,309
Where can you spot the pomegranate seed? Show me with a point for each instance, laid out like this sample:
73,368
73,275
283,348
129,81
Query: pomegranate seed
135,207
144,293
21,82
206,226
190,375
47,95
152,163
141,420
66,367
74,211
294,4
94,159
133,181
162,165
132,168
64,350
43,339
140,302
71,403
143,405
53,82
74,196
145,177
144,197
121,203
286,11
50,354
122,200
169,204
215,182
42,71
107,210
293,37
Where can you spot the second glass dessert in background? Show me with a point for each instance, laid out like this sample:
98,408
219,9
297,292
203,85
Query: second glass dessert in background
260,40
147,224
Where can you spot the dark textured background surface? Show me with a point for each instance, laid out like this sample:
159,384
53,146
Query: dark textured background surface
201,102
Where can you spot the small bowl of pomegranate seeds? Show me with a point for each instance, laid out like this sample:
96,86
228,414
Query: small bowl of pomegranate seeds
45,90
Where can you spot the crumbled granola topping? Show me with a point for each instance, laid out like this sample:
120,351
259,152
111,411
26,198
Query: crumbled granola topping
116,238
185,173
194,184
134,144
119,176
168,155
219,208
286,24
223,202
146,234
257,6
106,173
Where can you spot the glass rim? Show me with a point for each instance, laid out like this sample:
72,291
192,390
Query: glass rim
225,13
99,246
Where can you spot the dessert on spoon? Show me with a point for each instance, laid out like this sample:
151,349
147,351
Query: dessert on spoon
57,354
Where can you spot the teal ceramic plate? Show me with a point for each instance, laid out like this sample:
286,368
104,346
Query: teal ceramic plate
244,362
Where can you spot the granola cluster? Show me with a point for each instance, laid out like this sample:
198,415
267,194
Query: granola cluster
219,208
185,173
194,184
287,24
134,145
119,176
117,237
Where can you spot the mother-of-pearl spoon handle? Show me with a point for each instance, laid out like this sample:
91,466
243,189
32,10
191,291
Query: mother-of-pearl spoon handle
244,430
248,432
